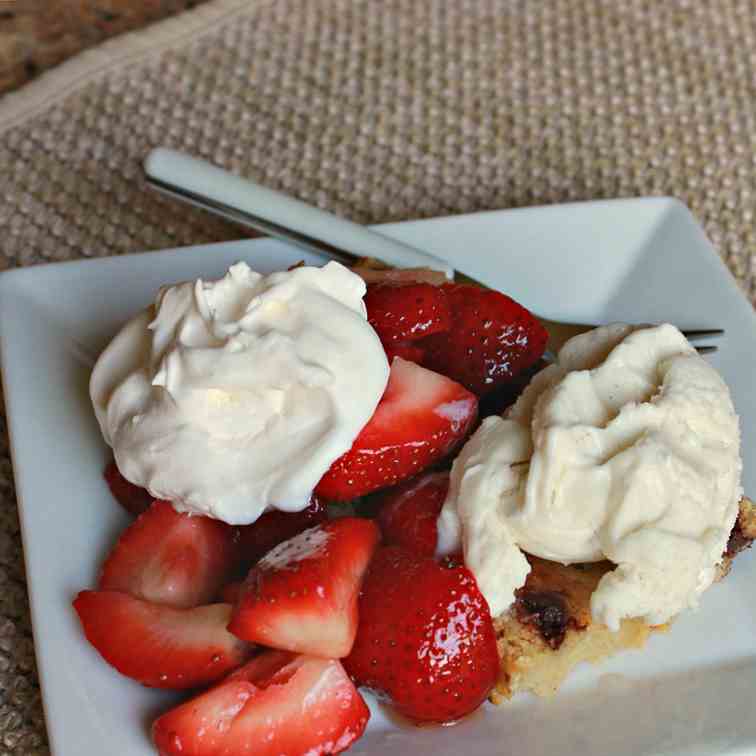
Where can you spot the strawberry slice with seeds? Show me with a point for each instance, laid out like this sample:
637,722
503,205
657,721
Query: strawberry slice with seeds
407,350
425,639
496,402
171,558
407,312
276,704
302,595
422,417
132,498
159,646
410,511
272,528
492,339
231,592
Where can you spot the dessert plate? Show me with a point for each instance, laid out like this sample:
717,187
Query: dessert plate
690,691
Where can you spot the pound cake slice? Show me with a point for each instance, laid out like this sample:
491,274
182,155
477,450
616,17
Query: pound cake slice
549,629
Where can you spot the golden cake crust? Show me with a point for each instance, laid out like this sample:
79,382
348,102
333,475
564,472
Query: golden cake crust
549,629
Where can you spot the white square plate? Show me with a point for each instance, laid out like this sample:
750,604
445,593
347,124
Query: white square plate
690,691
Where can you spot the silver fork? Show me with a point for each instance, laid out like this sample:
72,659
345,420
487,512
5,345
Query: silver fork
203,185
560,333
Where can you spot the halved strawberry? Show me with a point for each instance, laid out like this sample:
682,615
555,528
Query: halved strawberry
492,339
302,595
231,592
497,401
425,639
407,350
276,704
132,498
272,528
171,558
410,511
407,312
421,418
159,646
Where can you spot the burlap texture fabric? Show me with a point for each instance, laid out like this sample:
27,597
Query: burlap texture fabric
378,111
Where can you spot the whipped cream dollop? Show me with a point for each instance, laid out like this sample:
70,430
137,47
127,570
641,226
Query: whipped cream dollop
626,449
234,396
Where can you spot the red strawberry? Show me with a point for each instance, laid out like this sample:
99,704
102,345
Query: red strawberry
407,312
272,528
421,418
425,638
231,592
410,511
492,340
133,499
160,646
171,558
497,401
302,595
276,704
407,350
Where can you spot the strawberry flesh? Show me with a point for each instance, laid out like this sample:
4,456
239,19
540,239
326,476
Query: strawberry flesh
171,558
492,339
407,312
410,511
231,592
276,704
425,639
134,499
159,646
272,528
421,418
407,350
496,402
302,595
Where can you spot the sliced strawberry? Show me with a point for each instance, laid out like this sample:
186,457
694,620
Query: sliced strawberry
425,639
410,511
497,401
276,704
421,418
407,350
231,592
407,312
452,561
492,340
160,646
132,498
171,558
302,595
257,539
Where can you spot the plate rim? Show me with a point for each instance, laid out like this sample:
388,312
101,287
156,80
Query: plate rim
31,272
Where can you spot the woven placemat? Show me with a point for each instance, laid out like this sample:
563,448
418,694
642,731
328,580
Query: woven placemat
36,35
379,111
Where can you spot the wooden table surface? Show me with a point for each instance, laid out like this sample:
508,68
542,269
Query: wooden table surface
38,34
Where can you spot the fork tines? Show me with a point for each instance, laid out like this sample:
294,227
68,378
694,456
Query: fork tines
704,333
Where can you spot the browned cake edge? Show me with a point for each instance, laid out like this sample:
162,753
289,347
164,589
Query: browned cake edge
549,630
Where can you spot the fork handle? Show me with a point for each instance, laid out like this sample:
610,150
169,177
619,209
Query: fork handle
222,193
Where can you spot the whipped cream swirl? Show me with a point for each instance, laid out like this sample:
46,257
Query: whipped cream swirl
626,449
232,397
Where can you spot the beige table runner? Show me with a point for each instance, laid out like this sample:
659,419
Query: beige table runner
378,110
